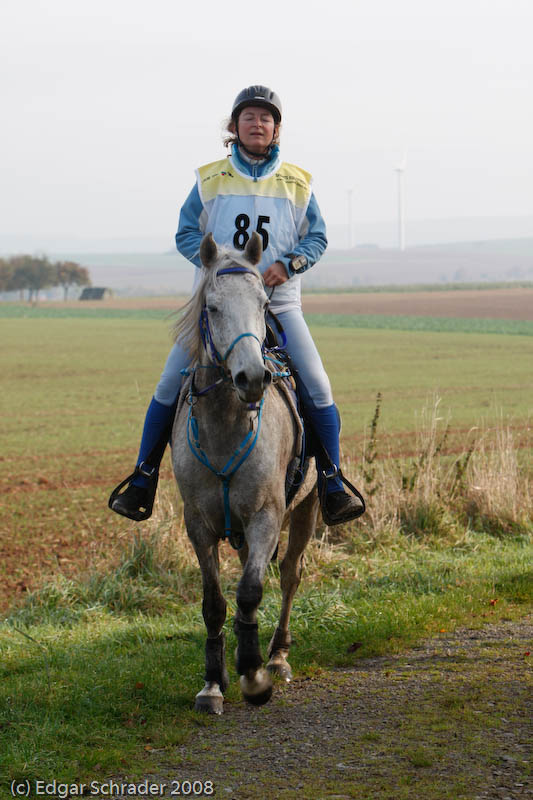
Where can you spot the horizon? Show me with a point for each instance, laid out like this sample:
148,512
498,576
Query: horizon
483,261
378,234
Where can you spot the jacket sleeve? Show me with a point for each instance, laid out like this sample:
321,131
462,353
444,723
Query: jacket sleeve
189,234
314,240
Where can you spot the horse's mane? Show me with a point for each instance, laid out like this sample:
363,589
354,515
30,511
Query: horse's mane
187,330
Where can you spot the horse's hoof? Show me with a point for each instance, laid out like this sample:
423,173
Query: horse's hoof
281,669
210,700
258,689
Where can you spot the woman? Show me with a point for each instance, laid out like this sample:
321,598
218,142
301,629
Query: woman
252,189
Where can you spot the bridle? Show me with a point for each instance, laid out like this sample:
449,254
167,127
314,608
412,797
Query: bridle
205,330
244,449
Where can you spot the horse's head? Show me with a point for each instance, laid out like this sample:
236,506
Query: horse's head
234,314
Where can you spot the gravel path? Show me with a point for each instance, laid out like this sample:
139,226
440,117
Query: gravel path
449,719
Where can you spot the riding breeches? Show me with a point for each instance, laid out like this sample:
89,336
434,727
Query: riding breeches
300,347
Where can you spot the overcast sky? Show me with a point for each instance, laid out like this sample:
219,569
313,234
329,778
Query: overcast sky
109,105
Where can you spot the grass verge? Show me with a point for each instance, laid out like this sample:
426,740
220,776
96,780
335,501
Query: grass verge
99,673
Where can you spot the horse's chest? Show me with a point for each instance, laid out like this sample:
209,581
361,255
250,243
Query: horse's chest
200,485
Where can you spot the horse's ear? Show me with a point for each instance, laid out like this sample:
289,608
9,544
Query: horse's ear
208,251
254,248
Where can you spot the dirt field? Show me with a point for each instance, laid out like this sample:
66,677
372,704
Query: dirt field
486,303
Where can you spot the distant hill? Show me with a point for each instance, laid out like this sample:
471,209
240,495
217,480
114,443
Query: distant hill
157,273
433,231
500,260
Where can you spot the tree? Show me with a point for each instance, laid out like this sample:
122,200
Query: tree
18,280
32,273
68,274
6,275
37,272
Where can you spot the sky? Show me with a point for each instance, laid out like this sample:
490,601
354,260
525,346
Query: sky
109,105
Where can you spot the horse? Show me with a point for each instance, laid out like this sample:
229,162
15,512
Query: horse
232,413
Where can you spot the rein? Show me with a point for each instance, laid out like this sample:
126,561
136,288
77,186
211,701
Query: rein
244,449
229,469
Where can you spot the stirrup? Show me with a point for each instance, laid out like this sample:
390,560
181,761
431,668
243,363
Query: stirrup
153,476
328,519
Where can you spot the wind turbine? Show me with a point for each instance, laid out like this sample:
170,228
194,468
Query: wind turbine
400,170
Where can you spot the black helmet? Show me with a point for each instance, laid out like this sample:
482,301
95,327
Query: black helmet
257,96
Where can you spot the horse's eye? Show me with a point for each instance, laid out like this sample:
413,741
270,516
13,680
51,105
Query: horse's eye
212,309
266,304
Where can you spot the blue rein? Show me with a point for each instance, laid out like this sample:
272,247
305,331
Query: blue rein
230,467
250,440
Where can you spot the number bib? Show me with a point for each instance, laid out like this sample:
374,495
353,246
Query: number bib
275,205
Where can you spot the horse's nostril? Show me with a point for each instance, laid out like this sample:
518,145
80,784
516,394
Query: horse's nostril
240,380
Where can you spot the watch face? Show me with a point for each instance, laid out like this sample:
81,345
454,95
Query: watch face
298,263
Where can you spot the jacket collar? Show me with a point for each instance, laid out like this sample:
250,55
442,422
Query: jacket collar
255,168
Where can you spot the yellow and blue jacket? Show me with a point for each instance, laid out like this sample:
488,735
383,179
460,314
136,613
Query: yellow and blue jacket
233,197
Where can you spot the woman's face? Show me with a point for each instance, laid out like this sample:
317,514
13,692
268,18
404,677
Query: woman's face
256,128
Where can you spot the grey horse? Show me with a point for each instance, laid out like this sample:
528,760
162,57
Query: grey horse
230,391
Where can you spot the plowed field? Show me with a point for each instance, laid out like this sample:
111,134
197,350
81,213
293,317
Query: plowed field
485,303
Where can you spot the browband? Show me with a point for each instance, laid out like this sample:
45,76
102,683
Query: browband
236,271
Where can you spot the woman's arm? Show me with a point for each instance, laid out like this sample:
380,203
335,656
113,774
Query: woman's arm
311,245
189,235
313,242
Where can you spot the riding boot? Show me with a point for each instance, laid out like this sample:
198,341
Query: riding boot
337,505
137,500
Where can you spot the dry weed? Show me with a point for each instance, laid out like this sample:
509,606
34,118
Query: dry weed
433,495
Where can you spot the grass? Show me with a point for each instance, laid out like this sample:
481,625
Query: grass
100,665
404,322
92,681
92,380
391,322
21,311
76,390
101,669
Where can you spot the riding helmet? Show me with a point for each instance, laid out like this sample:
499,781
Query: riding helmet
257,96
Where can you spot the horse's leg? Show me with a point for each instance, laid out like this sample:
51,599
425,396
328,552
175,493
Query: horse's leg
210,698
262,537
302,528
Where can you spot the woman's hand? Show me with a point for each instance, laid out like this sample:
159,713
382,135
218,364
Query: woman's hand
275,275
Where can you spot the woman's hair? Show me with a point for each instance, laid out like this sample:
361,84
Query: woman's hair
229,136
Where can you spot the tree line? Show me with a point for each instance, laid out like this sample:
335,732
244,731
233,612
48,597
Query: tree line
32,273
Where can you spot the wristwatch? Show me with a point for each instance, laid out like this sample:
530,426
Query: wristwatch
297,263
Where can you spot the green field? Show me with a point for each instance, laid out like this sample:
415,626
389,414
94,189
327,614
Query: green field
90,378
100,665
75,391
